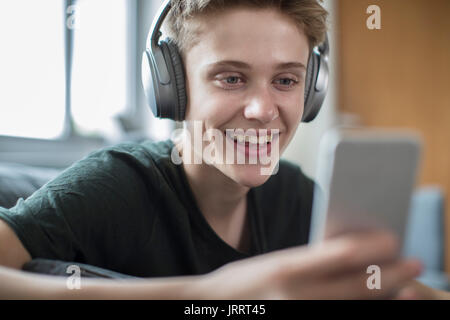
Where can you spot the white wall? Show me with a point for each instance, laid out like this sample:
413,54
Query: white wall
304,146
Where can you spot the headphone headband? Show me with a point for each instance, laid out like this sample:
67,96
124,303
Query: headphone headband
155,30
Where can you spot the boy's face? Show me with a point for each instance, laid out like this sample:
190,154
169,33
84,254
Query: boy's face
247,71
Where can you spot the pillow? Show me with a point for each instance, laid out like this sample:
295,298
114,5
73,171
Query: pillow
21,181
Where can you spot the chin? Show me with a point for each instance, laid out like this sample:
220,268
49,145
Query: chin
249,175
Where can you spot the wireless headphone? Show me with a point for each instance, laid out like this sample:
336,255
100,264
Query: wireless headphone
164,81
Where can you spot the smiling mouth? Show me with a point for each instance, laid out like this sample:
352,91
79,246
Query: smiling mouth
258,140
254,145
251,139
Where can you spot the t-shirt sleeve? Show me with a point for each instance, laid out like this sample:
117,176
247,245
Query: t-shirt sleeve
90,213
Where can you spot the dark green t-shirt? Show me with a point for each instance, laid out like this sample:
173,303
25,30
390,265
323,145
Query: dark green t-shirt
128,208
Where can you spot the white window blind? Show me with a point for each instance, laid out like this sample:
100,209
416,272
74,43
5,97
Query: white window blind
32,68
99,74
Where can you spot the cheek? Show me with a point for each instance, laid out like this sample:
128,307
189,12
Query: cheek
294,110
220,111
213,107
197,94
292,117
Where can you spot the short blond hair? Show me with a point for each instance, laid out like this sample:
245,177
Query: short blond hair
309,15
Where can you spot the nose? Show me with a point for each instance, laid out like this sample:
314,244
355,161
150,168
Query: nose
261,106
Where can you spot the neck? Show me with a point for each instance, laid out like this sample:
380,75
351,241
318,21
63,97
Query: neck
217,195
222,202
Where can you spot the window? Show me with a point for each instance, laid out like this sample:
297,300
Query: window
99,76
32,90
32,66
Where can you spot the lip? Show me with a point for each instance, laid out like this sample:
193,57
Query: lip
253,132
261,150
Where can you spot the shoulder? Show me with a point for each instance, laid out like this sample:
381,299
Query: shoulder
141,153
123,156
126,167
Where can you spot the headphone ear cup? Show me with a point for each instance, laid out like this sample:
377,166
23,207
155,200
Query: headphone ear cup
177,74
316,85
150,83
311,76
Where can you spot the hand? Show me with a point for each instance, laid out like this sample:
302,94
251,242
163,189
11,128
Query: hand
333,269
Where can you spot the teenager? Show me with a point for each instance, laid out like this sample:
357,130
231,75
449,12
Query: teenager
204,229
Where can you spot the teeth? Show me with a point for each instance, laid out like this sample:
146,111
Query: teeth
251,139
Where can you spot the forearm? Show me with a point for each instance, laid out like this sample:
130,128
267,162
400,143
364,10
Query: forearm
21,285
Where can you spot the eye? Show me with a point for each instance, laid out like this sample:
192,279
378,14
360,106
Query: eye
230,81
286,83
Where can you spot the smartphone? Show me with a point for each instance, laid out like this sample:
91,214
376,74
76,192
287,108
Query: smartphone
365,180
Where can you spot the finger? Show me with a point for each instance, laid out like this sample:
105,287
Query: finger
344,254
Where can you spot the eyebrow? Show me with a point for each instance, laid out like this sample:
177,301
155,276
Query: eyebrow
243,65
